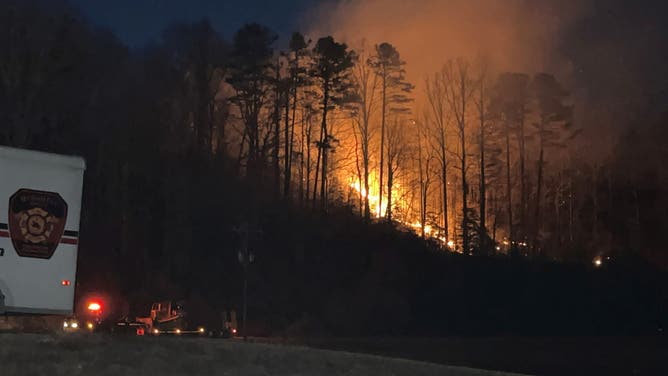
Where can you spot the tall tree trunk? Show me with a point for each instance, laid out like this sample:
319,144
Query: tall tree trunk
423,214
571,208
509,188
390,178
317,167
456,232
201,108
423,198
241,150
523,191
423,170
539,184
425,204
444,182
465,209
325,147
367,209
364,133
211,115
358,169
495,222
292,146
289,148
277,136
482,235
301,163
286,148
308,156
382,143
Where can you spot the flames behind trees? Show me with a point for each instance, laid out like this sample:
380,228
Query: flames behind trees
172,172
434,115
370,152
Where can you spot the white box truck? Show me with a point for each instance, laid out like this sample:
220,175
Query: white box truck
40,207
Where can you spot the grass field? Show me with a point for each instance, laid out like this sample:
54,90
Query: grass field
101,355
571,356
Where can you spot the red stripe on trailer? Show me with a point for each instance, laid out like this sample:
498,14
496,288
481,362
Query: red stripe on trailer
75,241
69,241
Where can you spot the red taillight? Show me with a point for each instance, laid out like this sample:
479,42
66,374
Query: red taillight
234,331
94,306
65,282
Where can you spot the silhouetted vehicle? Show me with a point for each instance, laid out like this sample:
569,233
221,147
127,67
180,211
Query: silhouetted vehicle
170,318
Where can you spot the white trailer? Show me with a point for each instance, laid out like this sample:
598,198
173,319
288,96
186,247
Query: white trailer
40,207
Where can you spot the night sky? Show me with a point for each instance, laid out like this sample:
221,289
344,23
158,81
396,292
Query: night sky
137,22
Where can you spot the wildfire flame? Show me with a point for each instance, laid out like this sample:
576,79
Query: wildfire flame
379,211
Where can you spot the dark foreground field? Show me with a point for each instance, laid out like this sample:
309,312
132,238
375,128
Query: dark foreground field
100,355
537,356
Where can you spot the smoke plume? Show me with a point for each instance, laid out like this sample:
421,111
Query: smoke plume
516,35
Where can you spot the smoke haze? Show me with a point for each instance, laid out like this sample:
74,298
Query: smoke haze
607,53
516,35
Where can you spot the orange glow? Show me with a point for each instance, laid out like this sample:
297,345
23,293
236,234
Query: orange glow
397,193
376,210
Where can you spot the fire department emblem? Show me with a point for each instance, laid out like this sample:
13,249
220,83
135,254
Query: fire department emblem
36,222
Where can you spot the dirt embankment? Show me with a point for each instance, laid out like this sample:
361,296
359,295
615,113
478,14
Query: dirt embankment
99,355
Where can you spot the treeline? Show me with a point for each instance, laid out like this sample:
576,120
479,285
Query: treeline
193,136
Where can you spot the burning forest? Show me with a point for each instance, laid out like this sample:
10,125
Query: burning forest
479,160
387,154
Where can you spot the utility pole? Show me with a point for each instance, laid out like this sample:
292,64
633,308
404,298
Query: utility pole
246,257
